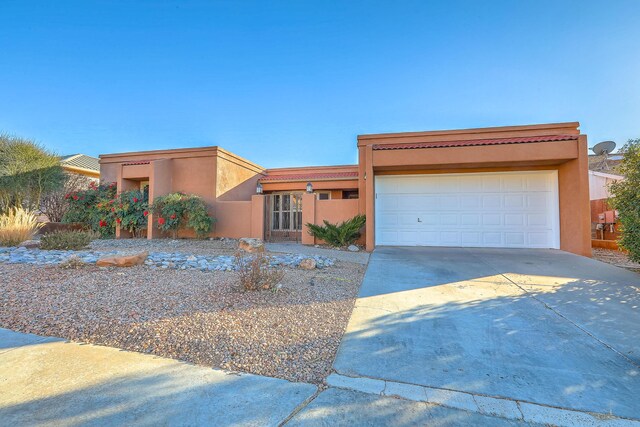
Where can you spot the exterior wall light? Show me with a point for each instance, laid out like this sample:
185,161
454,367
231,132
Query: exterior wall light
309,187
259,188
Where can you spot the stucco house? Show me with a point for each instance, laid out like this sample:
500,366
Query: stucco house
513,187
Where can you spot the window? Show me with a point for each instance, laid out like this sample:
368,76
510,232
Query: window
351,194
324,195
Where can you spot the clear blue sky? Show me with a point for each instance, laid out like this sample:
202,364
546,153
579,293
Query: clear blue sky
293,83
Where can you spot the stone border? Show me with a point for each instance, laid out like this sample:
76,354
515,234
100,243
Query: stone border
485,405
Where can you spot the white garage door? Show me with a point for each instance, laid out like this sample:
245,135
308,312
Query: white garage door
505,209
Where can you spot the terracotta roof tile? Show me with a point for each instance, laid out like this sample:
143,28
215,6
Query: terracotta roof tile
311,176
474,142
139,162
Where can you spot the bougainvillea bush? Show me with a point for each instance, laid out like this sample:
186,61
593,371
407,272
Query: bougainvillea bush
131,209
178,211
94,207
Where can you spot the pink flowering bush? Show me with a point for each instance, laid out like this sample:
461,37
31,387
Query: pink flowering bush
131,209
177,211
94,208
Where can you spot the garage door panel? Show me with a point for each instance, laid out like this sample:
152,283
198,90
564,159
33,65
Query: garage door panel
494,210
514,184
387,202
492,201
538,200
470,201
514,219
514,201
472,219
491,184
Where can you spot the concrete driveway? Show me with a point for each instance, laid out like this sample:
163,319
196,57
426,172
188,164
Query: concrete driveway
538,327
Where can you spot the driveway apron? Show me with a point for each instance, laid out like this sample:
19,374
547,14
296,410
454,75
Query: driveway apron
540,326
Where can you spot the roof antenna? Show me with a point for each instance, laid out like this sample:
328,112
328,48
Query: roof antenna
604,148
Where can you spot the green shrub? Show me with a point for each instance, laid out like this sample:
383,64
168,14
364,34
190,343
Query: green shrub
18,225
342,234
131,209
27,172
626,199
66,240
177,211
94,207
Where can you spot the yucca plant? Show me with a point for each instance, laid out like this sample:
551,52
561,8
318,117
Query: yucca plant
338,235
18,225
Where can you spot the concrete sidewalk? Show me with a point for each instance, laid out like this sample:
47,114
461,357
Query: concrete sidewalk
52,382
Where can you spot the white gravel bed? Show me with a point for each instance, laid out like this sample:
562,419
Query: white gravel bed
171,260
200,317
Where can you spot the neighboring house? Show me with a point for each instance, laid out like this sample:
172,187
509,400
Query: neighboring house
513,187
599,184
602,172
81,164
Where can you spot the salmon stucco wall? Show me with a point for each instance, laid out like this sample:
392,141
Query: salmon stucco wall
233,219
214,174
316,211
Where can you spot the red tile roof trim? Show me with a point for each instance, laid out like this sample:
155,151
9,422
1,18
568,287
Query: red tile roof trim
311,176
140,162
474,142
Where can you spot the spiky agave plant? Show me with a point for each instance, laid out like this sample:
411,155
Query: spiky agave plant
18,225
338,235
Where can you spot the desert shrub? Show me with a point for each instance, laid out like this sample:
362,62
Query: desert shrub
54,203
67,240
94,207
625,197
177,211
18,225
73,262
131,209
27,172
342,234
255,271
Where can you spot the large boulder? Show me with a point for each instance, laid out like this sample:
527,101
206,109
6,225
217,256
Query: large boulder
251,245
123,261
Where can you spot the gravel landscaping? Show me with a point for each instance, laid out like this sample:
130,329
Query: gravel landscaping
198,316
617,258
203,255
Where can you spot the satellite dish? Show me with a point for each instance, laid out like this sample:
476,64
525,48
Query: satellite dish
603,148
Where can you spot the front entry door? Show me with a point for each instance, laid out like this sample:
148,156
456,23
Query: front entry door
283,217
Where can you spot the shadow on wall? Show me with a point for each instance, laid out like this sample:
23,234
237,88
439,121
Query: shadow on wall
242,191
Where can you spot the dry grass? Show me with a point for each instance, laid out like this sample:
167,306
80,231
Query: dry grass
18,225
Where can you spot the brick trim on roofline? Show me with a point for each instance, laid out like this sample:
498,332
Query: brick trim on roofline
475,142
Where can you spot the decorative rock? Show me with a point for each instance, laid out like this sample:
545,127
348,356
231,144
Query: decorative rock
307,264
160,260
353,248
30,244
251,245
123,261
